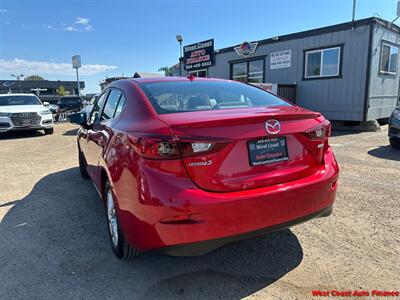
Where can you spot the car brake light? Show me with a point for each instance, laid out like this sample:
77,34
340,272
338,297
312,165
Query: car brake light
167,147
320,132
156,147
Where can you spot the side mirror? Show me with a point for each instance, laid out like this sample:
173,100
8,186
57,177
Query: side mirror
46,104
78,118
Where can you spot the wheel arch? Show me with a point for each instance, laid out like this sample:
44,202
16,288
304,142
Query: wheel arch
103,179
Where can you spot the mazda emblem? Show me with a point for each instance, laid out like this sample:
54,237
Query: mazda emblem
273,126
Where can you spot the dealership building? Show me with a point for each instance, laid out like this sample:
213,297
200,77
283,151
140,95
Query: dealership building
45,89
348,71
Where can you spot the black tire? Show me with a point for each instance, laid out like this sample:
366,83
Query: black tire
394,142
120,248
82,165
49,131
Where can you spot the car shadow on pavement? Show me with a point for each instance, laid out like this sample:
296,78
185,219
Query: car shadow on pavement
386,152
54,245
71,132
20,134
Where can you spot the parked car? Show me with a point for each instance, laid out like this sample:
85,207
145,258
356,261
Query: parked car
94,99
186,165
24,112
394,128
88,107
69,103
52,107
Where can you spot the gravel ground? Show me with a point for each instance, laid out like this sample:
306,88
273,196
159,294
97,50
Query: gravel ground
53,242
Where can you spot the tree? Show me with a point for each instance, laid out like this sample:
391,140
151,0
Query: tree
61,91
34,77
168,71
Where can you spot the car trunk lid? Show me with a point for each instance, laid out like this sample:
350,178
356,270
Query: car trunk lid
237,160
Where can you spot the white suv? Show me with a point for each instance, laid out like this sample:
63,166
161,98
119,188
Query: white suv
24,112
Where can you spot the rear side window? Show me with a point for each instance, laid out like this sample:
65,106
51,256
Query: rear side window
70,101
120,106
111,105
185,96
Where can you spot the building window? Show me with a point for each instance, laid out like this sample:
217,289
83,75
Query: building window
199,73
389,56
256,71
322,63
248,71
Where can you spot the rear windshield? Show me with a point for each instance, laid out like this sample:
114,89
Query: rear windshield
173,97
70,100
19,100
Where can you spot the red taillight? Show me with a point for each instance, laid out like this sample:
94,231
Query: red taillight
156,147
168,147
319,136
320,132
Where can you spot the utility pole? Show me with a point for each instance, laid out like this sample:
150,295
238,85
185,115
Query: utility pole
180,40
354,11
398,12
19,83
77,81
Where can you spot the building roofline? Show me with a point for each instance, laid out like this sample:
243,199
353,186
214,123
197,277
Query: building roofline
321,30
72,81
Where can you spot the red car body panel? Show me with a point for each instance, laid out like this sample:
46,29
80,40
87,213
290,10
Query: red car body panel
230,172
162,203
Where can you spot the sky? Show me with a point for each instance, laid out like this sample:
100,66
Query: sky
121,37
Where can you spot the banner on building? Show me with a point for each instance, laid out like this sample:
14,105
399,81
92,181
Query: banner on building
280,59
270,87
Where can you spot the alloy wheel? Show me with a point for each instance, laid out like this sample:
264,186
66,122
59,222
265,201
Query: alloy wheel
112,218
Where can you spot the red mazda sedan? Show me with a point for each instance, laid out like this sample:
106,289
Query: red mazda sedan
185,165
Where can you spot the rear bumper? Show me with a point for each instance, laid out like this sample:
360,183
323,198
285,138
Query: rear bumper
200,248
68,110
191,221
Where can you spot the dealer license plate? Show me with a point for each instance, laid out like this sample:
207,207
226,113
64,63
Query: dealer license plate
267,150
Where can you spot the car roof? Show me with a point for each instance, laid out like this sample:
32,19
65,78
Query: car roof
172,79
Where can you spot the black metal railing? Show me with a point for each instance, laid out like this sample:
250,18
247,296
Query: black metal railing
287,91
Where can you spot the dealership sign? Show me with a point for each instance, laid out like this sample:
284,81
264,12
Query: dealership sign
76,61
246,48
280,59
199,55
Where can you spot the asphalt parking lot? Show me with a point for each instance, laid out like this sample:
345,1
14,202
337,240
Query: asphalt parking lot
53,242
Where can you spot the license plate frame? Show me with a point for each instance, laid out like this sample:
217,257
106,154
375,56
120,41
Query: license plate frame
26,123
270,150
